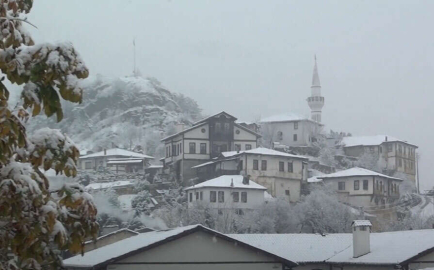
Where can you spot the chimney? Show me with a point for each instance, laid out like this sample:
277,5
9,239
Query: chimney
179,127
105,152
361,237
246,179
232,182
386,138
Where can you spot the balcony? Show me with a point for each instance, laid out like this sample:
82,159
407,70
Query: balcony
315,99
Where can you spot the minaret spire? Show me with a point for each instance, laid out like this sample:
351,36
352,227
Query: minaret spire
315,101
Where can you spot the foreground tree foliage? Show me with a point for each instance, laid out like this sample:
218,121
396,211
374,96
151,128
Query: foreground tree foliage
36,223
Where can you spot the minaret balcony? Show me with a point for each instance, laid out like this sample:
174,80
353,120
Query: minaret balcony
315,99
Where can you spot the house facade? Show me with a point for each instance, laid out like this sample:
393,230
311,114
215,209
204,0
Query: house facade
290,129
227,192
281,173
394,155
364,188
186,248
206,139
115,159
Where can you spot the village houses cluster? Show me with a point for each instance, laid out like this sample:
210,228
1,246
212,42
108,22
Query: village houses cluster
229,165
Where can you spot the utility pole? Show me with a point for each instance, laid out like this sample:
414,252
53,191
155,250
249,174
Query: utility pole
134,56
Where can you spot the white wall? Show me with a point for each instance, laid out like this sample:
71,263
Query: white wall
306,129
255,198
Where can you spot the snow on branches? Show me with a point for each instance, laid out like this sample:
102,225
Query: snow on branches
36,223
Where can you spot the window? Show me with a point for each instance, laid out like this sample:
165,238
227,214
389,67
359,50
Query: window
356,185
248,147
295,125
405,164
381,149
263,165
381,185
281,166
365,184
180,148
220,212
378,185
244,197
341,185
240,165
287,192
280,135
389,148
88,165
167,151
218,127
221,196
203,148
399,162
405,150
197,196
212,196
237,131
235,196
290,167
191,196
371,149
239,212
227,127
174,149
294,137
192,148
237,147
203,130
201,195
255,164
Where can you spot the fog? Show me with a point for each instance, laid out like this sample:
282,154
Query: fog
255,58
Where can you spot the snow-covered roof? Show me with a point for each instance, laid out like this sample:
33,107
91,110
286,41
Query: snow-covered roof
261,151
387,248
106,254
369,140
356,171
390,248
214,115
225,181
126,161
112,233
117,152
358,223
155,167
300,248
286,117
106,185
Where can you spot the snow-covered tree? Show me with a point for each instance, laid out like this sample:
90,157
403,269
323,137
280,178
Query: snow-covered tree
369,161
142,202
36,222
321,212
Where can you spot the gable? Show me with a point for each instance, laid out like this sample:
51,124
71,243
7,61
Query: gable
199,247
200,132
241,134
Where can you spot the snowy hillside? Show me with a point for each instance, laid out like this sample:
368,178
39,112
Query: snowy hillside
130,112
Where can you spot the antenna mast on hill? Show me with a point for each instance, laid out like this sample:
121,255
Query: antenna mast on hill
134,56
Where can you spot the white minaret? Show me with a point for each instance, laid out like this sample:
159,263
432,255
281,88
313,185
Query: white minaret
315,101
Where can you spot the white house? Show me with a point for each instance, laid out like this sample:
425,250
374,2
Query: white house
281,173
394,155
227,192
186,248
206,139
290,129
115,159
363,188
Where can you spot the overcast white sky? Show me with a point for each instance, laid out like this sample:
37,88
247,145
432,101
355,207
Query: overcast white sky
255,58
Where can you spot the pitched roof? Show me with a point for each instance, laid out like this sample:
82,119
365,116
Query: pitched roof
261,151
214,115
286,117
181,132
301,248
387,248
133,245
108,185
356,171
370,140
225,181
357,223
117,152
